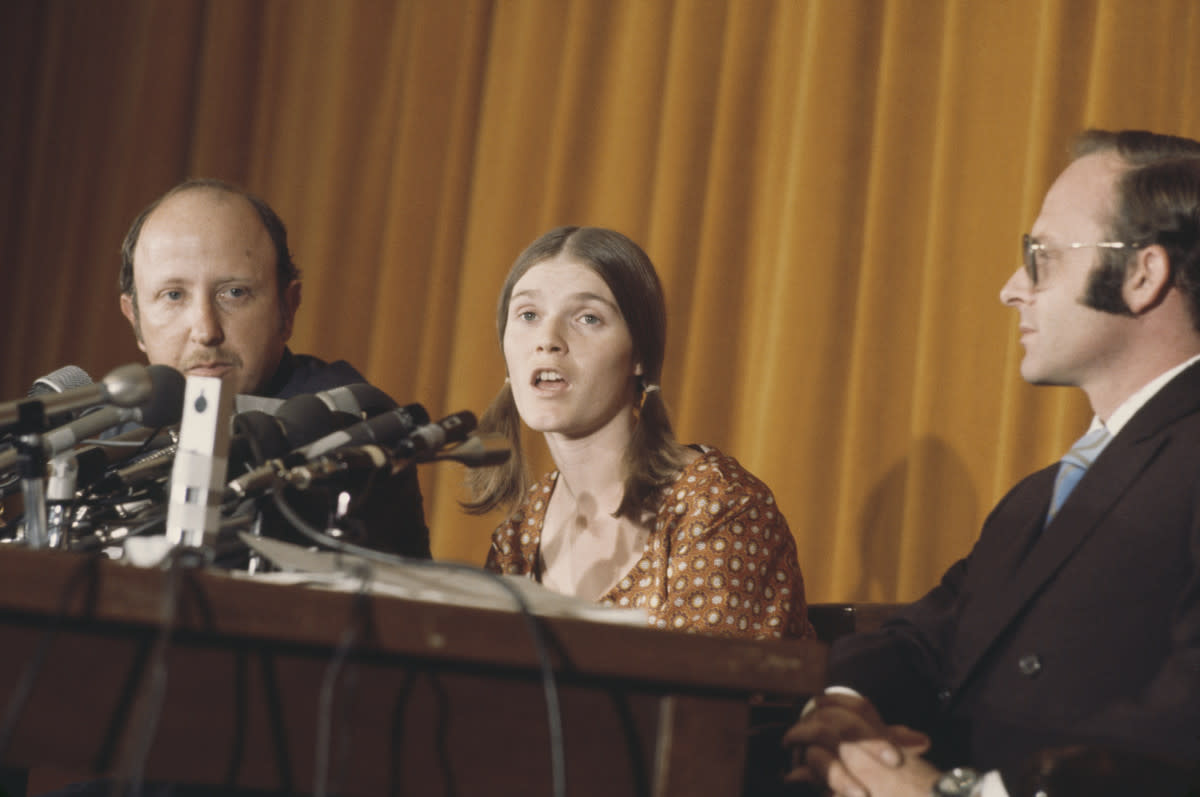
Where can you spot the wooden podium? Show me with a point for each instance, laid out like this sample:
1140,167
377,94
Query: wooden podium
429,699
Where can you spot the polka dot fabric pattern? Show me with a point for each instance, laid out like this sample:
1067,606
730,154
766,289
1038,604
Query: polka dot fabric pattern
720,559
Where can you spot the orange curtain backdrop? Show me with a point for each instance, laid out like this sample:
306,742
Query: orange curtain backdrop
832,190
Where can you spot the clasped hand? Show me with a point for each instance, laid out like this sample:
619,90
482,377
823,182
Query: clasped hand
843,742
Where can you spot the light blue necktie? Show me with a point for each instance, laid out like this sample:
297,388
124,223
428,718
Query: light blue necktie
1074,464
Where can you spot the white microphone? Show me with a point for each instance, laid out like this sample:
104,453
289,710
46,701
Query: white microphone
198,474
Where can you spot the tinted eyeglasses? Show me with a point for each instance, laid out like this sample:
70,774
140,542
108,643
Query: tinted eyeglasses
1032,250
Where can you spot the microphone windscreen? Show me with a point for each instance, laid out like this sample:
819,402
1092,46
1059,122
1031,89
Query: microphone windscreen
65,378
304,418
257,438
165,406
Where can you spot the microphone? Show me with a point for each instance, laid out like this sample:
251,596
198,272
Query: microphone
424,443
258,436
68,470
305,418
136,442
65,378
125,386
384,429
163,407
261,436
431,437
198,472
156,464
359,399
479,451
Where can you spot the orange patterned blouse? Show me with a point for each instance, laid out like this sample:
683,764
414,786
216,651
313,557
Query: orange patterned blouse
719,560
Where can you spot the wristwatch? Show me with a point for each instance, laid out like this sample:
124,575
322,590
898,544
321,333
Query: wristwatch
958,782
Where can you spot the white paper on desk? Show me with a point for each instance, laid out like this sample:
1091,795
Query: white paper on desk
429,582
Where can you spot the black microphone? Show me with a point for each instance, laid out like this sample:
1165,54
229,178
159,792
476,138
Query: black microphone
479,451
384,429
125,386
101,461
258,436
432,437
261,436
424,443
342,463
305,418
359,399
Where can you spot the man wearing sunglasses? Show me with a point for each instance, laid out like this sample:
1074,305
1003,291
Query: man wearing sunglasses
1075,619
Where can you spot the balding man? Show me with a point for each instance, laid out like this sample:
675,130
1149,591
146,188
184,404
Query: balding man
209,287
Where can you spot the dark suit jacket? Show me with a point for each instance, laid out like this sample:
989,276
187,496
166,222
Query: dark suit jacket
1087,631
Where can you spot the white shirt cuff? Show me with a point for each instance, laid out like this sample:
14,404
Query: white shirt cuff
991,785
829,690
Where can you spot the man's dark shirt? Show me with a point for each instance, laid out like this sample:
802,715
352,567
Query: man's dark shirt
302,373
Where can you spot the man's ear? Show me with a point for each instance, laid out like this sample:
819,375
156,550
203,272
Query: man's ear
291,303
129,310
1148,279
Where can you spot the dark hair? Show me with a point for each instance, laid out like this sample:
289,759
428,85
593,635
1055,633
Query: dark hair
285,270
1135,218
654,457
1135,147
1159,204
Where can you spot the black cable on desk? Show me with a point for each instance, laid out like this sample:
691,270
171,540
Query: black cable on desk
558,767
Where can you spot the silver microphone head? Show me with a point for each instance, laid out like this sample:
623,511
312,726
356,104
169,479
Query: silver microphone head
127,385
65,378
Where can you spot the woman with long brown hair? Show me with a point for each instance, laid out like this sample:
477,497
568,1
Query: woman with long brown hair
630,517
